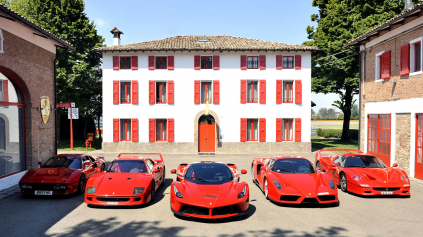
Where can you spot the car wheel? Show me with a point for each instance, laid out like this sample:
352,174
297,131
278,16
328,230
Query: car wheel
318,166
103,167
164,178
344,183
266,190
81,184
252,173
153,192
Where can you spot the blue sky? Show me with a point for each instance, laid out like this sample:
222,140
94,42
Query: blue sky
272,20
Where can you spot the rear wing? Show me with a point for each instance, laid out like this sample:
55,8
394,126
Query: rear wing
319,155
161,157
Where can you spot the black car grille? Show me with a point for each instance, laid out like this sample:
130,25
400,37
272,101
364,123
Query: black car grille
310,200
290,198
386,189
226,210
327,198
49,187
195,210
113,199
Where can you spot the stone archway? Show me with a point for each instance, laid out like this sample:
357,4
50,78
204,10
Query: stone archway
217,121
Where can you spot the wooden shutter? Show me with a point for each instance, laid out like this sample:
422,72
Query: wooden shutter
134,62
150,62
298,130
5,91
262,61
115,62
170,62
243,91
216,62
243,130
134,92
197,62
170,92
151,130
197,90
262,91
298,91
244,62
386,65
171,130
115,130
279,129
116,92
262,126
279,64
405,59
151,94
279,91
216,92
297,61
135,130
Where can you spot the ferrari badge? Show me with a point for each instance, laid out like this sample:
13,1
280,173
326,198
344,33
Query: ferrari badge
45,108
50,171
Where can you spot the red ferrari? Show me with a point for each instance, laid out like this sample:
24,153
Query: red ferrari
363,174
128,180
293,180
61,174
209,190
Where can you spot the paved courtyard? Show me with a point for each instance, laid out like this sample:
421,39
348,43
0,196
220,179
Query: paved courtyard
355,216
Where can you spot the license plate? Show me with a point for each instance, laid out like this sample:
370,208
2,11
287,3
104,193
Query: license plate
37,192
386,193
112,203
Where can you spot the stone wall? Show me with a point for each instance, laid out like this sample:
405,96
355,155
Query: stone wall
402,141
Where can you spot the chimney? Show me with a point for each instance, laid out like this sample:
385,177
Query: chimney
408,4
116,36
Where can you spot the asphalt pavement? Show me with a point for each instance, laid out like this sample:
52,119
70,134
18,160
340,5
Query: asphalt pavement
355,216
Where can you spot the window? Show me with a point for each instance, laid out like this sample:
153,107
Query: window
252,130
125,62
383,66
206,87
206,62
417,56
252,92
287,92
252,62
161,130
1,41
161,62
2,134
287,130
288,62
1,90
161,93
379,137
125,128
419,137
125,92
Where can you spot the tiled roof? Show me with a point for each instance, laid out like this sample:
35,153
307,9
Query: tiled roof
398,18
14,16
216,42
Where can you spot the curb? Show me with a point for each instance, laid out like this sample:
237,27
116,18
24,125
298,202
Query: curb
9,192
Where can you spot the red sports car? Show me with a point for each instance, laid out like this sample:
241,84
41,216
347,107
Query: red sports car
363,174
61,174
129,180
293,180
209,190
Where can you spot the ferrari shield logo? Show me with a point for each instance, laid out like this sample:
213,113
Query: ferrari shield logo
50,171
45,108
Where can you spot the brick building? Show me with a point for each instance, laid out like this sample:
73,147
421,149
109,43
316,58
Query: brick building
27,57
155,93
391,91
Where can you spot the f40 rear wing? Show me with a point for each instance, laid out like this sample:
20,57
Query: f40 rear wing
161,157
322,150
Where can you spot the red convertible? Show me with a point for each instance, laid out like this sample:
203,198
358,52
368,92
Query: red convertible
129,180
293,180
363,174
209,190
61,174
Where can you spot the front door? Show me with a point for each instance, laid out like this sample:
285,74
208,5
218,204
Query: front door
418,172
206,134
379,137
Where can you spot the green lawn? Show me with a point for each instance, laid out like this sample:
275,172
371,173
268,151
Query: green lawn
79,145
321,143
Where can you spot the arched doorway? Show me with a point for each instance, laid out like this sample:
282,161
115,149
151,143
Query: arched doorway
206,133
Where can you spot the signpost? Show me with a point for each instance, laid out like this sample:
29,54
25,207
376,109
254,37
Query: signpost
75,115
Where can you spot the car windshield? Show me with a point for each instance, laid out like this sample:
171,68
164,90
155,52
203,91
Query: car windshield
127,166
293,165
208,173
364,162
63,162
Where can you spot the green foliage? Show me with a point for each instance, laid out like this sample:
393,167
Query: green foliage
331,133
355,115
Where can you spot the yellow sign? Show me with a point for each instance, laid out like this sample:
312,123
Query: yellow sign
45,108
90,137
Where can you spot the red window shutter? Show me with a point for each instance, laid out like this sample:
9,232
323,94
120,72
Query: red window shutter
216,92
386,65
197,86
170,95
278,129
262,61
216,62
170,62
115,62
197,62
134,62
151,93
279,64
262,126
243,130
262,91
115,130
244,62
135,130
243,91
279,91
297,61
5,91
171,130
298,130
151,135
150,62
134,92
405,59
116,92
298,91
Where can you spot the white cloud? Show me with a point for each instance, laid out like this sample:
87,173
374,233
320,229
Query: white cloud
100,22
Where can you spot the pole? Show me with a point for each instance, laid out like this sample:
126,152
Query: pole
71,129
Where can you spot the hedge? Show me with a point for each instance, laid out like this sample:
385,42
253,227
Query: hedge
327,133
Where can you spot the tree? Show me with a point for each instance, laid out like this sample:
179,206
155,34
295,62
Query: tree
312,113
338,22
355,115
323,113
331,114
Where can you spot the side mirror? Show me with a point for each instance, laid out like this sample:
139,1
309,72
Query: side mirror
173,171
98,170
40,163
155,170
243,171
395,165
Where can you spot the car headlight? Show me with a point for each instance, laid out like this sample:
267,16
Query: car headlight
177,193
91,190
332,184
59,187
242,193
277,184
26,186
355,177
138,191
404,177
406,185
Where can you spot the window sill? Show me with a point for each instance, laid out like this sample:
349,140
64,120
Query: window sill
1,51
379,80
161,141
415,73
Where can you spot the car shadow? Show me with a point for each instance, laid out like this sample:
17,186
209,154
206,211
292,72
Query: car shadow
379,196
306,205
